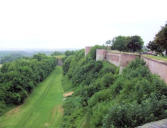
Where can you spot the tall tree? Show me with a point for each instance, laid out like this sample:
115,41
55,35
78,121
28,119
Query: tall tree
135,43
120,43
155,47
161,38
126,43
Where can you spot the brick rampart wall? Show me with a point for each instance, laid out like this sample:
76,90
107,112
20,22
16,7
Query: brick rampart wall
87,50
126,58
157,67
117,58
113,58
100,54
123,59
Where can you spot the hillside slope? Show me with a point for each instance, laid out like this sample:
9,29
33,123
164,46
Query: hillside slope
103,98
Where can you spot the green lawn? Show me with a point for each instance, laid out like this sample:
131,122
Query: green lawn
162,58
43,108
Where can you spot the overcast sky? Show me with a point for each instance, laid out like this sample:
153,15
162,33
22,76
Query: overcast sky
52,24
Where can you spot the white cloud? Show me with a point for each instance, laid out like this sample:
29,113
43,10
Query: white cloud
76,23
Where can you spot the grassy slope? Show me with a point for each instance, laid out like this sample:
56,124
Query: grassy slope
162,58
43,109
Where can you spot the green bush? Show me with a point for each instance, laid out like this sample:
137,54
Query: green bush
105,98
134,114
19,77
140,96
101,96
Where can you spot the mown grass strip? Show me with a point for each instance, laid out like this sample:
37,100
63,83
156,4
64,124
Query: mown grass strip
43,109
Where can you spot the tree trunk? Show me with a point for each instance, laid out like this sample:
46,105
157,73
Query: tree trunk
166,52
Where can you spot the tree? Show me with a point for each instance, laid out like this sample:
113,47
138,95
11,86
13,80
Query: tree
39,56
135,43
155,47
56,53
161,38
120,43
19,77
108,44
68,53
127,43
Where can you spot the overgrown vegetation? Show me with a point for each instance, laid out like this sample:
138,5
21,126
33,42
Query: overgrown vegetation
105,98
18,78
42,109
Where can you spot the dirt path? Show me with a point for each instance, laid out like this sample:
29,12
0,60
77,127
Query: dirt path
68,94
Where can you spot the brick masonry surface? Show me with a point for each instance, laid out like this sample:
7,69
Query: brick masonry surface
123,59
157,67
87,50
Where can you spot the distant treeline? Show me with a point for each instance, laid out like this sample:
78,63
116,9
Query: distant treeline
103,98
19,77
9,58
67,53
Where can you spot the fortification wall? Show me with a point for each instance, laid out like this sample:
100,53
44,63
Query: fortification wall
87,50
113,58
157,67
126,58
117,58
59,61
100,54
123,59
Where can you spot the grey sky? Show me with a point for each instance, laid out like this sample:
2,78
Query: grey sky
52,24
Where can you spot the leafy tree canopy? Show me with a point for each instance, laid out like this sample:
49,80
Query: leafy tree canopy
127,43
161,37
19,77
135,43
39,56
155,47
56,53
68,53
120,43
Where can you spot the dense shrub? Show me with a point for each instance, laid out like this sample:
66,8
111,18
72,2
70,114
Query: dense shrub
66,64
134,114
140,98
18,78
109,99
88,77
